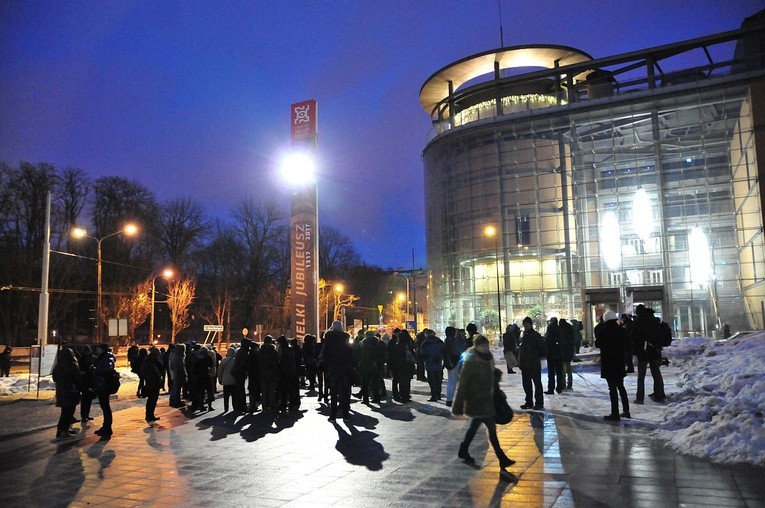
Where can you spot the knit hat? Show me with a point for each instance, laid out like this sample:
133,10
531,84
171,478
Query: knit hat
609,316
337,326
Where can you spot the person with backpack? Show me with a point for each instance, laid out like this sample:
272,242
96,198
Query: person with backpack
454,345
648,343
104,386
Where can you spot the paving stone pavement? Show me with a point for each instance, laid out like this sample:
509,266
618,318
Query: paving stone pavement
385,455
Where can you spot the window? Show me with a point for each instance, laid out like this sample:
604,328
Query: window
654,276
522,230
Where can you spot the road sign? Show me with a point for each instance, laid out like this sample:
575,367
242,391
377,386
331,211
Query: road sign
213,328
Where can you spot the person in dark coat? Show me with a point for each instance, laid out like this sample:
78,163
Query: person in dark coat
510,341
569,350
337,358
135,368
289,383
178,374
403,365
253,378
626,322
67,376
102,375
554,343
391,352
268,368
87,364
647,344
5,362
199,379
432,353
454,345
310,359
611,339
151,371
371,357
475,398
241,369
530,354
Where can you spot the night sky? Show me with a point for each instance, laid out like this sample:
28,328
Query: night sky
192,98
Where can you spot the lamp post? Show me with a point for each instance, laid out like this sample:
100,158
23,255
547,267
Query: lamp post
167,273
407,292
130,230
491,231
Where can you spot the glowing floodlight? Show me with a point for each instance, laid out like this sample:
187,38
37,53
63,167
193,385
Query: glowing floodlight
701,261
298,169
610,241
642,215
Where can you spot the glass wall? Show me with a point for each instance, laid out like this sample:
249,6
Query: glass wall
626,194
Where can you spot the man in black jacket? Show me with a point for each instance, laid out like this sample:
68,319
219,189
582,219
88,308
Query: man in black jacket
647,344
337,358
554,342
530,354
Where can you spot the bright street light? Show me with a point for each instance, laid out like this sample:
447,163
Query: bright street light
298,169
129,230
491,232
167,273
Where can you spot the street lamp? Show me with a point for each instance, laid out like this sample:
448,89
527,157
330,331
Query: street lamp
129,230
167,273
407,293
491,231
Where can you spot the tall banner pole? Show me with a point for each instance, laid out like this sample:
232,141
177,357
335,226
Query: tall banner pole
42,315
304,228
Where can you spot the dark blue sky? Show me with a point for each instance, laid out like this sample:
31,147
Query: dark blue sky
192,98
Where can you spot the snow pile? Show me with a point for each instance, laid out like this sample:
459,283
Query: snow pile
13,385
718,412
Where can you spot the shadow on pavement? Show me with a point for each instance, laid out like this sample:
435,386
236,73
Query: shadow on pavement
359,447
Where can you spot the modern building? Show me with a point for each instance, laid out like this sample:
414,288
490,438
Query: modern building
634,178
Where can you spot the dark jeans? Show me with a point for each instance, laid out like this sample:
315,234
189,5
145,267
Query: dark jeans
435,378
490,427
555,373
658,381
532,381
371,385
240,397
339,394
106,408
152,395
175,393
85,403
67,415
615,390
270,396
228,391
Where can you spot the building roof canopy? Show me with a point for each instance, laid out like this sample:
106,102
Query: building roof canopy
436,88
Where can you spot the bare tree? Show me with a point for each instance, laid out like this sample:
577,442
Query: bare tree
337,255
180,295
135,306
182,228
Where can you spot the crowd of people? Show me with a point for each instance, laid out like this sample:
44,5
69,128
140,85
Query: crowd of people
268,377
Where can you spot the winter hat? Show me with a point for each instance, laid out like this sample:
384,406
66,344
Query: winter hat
369,333
528,320
609,316
337,326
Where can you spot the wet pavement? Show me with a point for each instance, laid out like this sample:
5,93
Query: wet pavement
385,455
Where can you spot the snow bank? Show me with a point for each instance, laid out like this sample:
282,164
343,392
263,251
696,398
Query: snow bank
23,384
718,412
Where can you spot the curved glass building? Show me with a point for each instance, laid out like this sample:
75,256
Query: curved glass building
561,185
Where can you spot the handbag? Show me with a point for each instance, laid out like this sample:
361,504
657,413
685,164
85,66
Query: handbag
503,413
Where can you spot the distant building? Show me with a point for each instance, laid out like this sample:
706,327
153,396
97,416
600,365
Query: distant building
634,178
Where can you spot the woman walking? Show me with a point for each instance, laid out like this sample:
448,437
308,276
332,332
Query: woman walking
475,398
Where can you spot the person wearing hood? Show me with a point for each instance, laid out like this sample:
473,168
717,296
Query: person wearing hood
337,358
226,378
611,339
475,398
151,372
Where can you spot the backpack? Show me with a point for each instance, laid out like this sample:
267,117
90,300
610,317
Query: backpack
665,334
113,382
503,413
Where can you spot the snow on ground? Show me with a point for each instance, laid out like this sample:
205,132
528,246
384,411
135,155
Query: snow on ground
718,411
20,385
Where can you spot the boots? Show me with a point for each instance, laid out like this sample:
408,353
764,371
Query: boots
464,455
504,460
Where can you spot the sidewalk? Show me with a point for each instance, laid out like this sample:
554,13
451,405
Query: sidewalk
388,455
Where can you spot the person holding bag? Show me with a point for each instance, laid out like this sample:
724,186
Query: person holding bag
475,398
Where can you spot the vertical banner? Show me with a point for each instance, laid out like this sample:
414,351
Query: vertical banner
304,229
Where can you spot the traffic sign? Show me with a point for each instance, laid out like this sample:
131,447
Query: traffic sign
213,328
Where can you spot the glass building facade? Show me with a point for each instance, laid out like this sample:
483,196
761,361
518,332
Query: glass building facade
610,182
